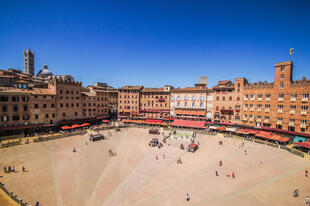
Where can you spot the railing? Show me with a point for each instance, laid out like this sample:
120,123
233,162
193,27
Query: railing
13,197
293,99
304,99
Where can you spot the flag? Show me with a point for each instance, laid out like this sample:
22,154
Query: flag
292,51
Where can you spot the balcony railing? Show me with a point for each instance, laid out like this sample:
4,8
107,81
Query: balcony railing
245,118
245,99
245,109
303,112
259,99
291,124
303,125
258,120
267,99
280,99
259,109
252,99
304,99
280,111
252,109
266,120
279,122
267,110
293,99
292,112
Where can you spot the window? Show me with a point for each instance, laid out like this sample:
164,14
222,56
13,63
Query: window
201,105
293,107
44,105
260,96
15,99
76,114
5,118
282,76
281,96
238,98
25,108
72,105
223,98
281,85
64,114
230,98
25,99
36,116
305,96
4,108
178,104
246,96
185,98
46,115
193,105
280,106
15,108
77,105
52,105
293,96
185,104
60,91
67,105
26,117
217,98
53,115
282,69
303,122
201,98
15,117
193,98
178,97
267,106
304,107
4,99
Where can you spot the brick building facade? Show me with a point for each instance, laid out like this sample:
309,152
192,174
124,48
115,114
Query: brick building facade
283,104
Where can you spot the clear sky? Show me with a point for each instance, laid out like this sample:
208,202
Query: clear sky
153,43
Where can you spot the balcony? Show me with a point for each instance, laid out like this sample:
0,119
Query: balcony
280,99
266,120
245,119
245,109
245,99
303,112
267,110
292,112
258,120
304,99
252,99
252,109
291,124
259,99
267,99
303,126
251,119
259,109
293,99
280,111
279,122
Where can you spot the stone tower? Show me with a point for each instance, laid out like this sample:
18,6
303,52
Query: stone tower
29,62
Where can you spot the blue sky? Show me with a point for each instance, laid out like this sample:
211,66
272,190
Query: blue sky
154,43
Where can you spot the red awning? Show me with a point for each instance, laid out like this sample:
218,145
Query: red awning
106,121
209,122
65,127
252,131
188,123
271,136
171,119
75,126
84,124
286,131
303,144
154,121
226,123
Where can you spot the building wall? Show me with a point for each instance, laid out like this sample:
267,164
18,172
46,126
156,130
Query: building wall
129,101
154,103
227,102
43,109
15,109
276,111
188,104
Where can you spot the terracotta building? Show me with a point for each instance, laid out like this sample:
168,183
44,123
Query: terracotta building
68,98
112,102
129,101
283,104
227,101
155,103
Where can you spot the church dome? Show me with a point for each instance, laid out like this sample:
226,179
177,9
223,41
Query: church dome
44,72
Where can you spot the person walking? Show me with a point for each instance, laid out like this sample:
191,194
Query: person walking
220,163
307,200
233,175
187,197
306,173
245,152
216,173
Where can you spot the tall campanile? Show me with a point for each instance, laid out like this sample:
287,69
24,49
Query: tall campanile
29,62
